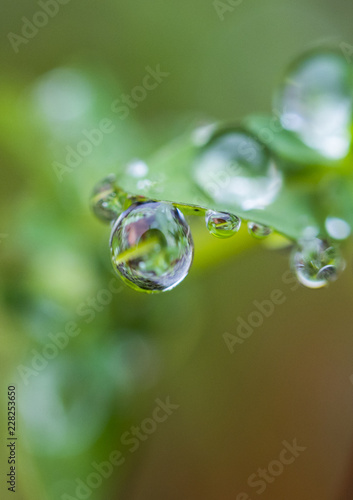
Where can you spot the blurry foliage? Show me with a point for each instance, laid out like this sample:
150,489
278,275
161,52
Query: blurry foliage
55,256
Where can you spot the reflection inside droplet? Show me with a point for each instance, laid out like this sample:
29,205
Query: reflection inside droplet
151,247
259,231
107,199
315,263
222,224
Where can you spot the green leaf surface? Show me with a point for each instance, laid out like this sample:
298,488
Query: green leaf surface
285,144
170,178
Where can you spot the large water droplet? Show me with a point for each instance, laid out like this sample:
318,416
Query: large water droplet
337,228
259,231
222,224
315,263
107,200
151,246
316,102
234,168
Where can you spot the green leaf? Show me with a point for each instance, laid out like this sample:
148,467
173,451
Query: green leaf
285,144
170,178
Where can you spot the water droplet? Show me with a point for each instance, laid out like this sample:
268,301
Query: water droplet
222,224
137,168
234,168
107,200
316,102
315,263
259,231
151,246
337,228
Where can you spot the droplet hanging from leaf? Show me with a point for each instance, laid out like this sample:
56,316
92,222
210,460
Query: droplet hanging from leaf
316,263
151,246
222,224
259,231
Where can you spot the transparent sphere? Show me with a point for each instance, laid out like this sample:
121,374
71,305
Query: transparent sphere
236,169
151,246
316,102
315,263
222,224
259,231
105,201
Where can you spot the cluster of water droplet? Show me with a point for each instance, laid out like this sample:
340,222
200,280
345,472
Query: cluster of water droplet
152,248
151,244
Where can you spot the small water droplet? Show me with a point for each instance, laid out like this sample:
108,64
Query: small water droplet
316,102
236,169
259,231
107,199
316,263
222,224
337,228
151,247
137,168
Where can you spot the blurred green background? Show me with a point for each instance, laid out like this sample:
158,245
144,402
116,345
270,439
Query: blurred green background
289,380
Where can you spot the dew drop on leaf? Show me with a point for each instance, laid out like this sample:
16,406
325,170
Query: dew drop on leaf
105,200
259,231
316,102
222,224
234,168
315,263
151,246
